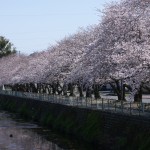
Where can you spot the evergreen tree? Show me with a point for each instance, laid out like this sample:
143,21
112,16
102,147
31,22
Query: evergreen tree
6,47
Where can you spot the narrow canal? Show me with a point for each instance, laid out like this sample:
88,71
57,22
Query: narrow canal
18,135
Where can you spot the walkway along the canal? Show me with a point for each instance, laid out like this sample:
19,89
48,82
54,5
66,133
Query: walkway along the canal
105,125
111,105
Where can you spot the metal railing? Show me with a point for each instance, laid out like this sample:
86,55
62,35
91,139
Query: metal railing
131,108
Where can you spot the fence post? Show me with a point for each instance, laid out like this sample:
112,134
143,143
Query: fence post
48,98
59,99
39,96
96,103
130,108
108,104
139,109
15,93
86,101
72,103
121,106
102,104
143,105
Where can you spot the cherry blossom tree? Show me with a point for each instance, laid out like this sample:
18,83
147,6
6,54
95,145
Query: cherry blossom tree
123,44
115,51
130,22
69,50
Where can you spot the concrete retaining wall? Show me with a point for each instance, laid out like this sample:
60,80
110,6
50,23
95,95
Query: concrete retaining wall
105,130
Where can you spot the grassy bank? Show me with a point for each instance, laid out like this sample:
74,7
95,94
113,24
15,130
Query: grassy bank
100,129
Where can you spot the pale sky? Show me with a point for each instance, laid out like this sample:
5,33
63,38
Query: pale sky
34,25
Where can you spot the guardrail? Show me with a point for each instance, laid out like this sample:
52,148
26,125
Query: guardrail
131,108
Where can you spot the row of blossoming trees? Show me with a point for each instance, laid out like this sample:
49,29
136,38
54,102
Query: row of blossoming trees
115,51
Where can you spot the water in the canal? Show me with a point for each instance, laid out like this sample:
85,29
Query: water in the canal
18,135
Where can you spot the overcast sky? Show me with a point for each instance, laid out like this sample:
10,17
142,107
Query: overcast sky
34,25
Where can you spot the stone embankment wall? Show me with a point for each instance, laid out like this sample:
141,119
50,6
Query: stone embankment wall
103,130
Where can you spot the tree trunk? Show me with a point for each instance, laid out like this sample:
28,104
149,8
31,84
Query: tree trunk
138,96
65,90
120,91
88,92
80,89
96,91
71,88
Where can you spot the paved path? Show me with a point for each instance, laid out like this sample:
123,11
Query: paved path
106,103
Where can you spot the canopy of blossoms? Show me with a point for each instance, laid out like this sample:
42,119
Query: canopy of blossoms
118,48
